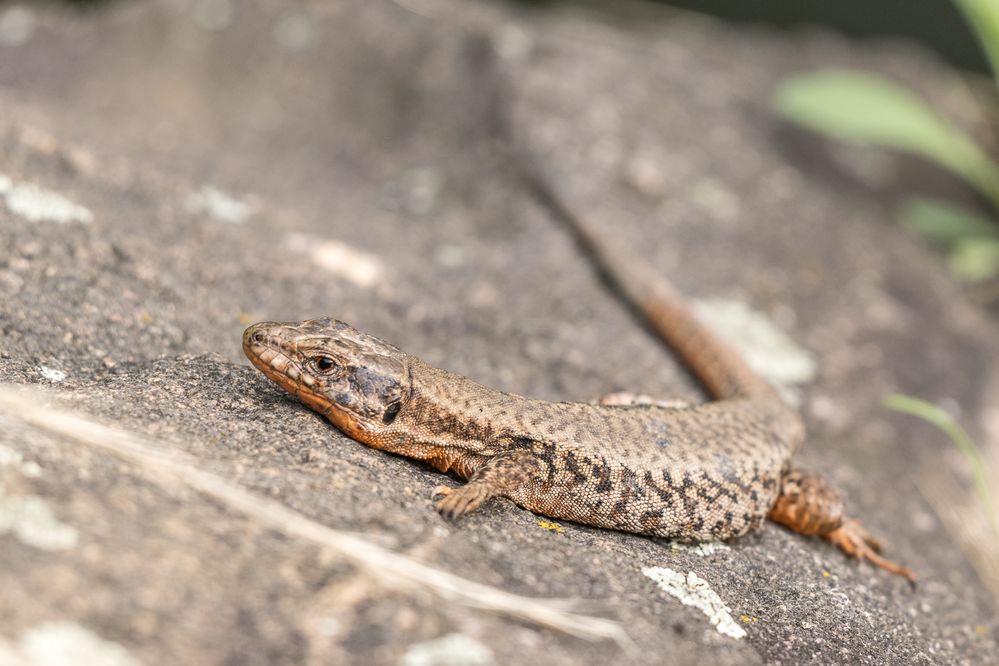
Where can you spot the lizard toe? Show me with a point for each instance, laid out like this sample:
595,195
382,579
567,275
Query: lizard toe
441,491
459,501
857,542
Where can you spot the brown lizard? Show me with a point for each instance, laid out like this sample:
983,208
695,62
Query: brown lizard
694,473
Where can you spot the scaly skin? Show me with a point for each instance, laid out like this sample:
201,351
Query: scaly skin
694,473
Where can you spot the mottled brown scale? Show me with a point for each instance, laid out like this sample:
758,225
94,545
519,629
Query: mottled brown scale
690,472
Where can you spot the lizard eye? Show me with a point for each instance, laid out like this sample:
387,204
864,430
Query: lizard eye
324,363
391,412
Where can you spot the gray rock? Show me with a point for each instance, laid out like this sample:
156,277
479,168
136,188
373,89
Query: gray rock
366,173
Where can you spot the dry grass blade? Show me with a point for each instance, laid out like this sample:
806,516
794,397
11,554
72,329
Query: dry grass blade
966,524
971,524
394,569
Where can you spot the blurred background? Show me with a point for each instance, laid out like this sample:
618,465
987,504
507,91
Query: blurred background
820,178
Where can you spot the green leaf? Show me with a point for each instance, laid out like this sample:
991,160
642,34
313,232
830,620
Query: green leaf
975,259
929,412
859,107
943,222
983,16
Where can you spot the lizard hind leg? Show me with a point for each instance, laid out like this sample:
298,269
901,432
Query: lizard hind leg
808,505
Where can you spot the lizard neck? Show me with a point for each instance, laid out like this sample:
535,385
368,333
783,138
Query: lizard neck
447,420
447,409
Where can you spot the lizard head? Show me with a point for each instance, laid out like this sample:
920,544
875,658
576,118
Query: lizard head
355,380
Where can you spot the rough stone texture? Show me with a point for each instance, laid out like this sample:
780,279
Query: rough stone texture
383,126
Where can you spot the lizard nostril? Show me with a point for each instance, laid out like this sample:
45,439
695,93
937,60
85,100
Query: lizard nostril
257,337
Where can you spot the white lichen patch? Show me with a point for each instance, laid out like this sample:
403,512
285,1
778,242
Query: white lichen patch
701,549
9,457
294,31
512,43
17,25
360,268
52,374
451,650
12,458
31,520
69,644
218,205
212,15
692,590
37,204
415,192
715,199
767,349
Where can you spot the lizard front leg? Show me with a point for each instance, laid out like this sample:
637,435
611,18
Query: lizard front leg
502,475
808,505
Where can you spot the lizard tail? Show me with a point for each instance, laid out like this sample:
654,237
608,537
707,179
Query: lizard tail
722,371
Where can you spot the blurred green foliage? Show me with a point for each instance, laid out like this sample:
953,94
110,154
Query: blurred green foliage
859,107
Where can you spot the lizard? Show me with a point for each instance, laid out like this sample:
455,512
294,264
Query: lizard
704,472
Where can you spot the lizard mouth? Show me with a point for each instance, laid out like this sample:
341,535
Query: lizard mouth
289,375
284,372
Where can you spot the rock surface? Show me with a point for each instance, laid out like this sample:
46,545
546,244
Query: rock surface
172,171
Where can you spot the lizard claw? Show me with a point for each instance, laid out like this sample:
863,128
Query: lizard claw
441,491
857,542
859,531
459,501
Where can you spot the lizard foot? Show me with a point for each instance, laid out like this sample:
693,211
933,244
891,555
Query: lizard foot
855,541
808,505
456,502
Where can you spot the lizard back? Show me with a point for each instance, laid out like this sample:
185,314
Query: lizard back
693,473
